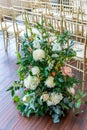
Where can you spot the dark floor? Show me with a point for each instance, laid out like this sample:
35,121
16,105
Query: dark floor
10,119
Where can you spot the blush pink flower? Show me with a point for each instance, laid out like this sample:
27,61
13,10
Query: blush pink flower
67,71
26,89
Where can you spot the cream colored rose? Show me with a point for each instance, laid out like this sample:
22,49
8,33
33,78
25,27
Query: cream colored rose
45,97
35,70
71,91
38,54
54,99
31,82
50,82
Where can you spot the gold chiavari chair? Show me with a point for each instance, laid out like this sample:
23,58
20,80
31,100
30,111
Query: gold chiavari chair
1,25
43,7
68,11
33,18
79,46
12,16
6,24
19,26
67,2
58,25
82,14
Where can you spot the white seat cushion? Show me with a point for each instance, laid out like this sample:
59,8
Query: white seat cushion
56,16
40,10
8,24
20,29
35,31
19,17
79,49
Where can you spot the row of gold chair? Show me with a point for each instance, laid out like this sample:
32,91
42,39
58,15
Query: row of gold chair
56,10
77,28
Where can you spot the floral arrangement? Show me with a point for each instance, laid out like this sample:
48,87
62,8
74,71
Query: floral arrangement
46,84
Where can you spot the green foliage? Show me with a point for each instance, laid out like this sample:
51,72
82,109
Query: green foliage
46,84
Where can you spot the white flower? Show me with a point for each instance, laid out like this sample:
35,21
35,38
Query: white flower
56,47
26,99
38,54
35,70
55,55
36,44
71,90
31,82
45,97
54,99
50,82
51,64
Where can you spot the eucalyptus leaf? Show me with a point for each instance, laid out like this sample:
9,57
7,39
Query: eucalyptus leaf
55,118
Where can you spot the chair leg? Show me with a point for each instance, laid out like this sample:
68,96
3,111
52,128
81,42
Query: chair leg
84,77
3,33
6,41
16,40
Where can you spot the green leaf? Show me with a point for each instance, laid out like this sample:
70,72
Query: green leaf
12,92
55,118
57,110
66,100
40,101
78,103
28,113
64,106
32,105
86,102
18,55
16,98
78,112
10,88
60,80
71,104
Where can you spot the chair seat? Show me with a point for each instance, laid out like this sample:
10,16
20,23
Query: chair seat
35,31
4,27
40,10
20,29
20,17
56,16
79,49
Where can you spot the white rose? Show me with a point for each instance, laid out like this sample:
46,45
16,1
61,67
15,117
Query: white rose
35,70
45,97
71,90
54,99
31,82
56,47
50,82
27,81
38,54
